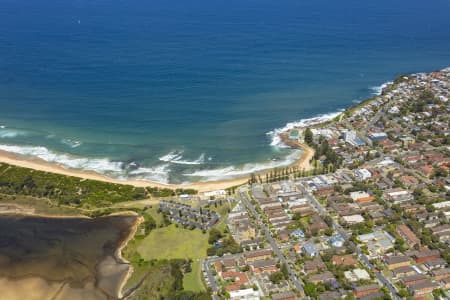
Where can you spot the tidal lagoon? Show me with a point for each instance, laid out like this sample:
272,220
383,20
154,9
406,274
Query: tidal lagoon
63,257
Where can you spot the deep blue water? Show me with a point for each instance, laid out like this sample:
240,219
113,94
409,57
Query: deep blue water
114,82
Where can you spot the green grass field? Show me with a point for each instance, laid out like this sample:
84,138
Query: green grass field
171,242
193,281
176,242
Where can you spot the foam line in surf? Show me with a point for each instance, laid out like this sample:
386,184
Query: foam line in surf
176,157
236,171
105,166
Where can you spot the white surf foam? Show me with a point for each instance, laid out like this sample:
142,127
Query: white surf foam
176,157
100,165
157,173
377,90
199,161
7,133
171,156
71,143
233,171
275,134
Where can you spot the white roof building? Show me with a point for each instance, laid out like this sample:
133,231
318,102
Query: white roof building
440,205
358,195
394,110
363,174
247,294
361,274
353,219
356,275
215,193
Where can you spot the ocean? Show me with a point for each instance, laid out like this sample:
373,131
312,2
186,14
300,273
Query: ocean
185,91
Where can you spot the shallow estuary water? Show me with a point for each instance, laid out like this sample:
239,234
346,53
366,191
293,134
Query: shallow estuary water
62,258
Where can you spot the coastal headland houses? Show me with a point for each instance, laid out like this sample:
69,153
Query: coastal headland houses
371,219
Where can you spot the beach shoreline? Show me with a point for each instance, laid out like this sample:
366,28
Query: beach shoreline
120,257
202,186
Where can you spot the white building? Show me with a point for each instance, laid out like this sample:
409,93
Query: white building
360,196
247,294
217,193
353,219
394,110
442,205
349,136
363,174
356,275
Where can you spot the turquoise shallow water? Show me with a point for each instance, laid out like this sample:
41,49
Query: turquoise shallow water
169,91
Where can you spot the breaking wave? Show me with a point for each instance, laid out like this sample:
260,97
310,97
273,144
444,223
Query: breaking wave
6,133
171,156
105,166
176,157
275,134
71,143
233,171
101,165
377,90
157,173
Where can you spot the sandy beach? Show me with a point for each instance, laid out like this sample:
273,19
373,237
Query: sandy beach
39,164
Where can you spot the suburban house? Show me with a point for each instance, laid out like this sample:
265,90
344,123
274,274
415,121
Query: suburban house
423,256
423,288
407,234
361,196
403,271
251,256
394,262
284,296
365,290
344,260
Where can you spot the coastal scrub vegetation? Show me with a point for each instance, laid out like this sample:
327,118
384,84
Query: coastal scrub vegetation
162,279
65,189
69,190
166,192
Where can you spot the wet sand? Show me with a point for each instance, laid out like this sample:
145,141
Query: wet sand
63,258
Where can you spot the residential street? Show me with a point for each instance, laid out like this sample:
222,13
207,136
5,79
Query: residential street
297,283
363,258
